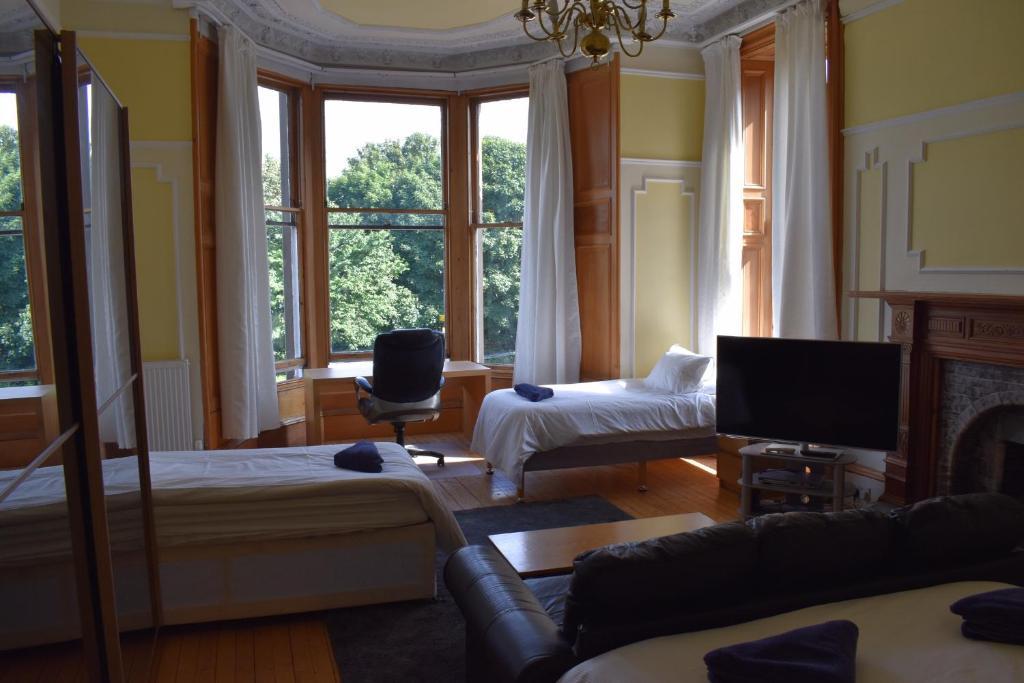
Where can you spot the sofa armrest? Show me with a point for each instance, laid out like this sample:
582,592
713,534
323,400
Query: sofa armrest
510,638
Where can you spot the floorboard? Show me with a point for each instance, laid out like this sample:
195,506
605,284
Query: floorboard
297,648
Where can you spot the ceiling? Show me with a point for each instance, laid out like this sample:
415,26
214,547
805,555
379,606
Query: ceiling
433,35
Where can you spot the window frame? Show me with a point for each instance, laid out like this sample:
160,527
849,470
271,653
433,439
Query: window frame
293,90
328,93
476,224
24,92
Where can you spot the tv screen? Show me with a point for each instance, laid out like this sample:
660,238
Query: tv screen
819,392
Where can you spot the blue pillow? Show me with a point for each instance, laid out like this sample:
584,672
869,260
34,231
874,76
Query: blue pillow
995,615
823,653
361,457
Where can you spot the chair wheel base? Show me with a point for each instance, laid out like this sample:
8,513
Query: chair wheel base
416,452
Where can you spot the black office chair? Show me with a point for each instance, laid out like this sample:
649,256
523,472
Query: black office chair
407,381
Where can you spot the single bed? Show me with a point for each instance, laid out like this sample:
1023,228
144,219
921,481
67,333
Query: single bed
593,423
905,637
241,533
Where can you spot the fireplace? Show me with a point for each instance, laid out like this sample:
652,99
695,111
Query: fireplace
962,394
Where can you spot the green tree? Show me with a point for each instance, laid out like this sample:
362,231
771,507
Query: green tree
16,346
383,279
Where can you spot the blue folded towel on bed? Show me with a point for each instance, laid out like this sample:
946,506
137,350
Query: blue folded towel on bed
361,457
533,392
995,615
823,653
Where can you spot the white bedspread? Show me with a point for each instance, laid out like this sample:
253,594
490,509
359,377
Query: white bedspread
510,428
233,496
908,637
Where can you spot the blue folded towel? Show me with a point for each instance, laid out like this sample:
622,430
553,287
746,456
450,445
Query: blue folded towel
361,457
995,615
823,653
533,392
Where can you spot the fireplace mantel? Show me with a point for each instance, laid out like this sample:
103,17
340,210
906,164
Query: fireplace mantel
933,327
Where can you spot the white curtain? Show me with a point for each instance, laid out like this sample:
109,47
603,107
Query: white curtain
720,229
548,332
248,391
108,302
803,289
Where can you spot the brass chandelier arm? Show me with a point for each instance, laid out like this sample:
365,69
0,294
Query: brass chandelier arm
622,43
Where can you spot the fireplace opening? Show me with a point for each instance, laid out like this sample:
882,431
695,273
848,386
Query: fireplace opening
989,453
1012,456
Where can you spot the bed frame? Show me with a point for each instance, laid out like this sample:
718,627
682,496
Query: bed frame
641,448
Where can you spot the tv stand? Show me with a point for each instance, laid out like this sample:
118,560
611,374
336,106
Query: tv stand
814,486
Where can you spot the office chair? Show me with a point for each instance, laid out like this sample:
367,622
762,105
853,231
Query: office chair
407,381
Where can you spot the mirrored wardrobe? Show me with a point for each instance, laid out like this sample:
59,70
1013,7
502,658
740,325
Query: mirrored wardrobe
78,585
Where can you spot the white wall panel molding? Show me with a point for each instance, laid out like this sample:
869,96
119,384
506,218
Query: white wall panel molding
852,211
172,162
899,144
870,9
635,177
654,73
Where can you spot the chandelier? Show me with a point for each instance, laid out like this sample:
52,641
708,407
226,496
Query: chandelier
561,19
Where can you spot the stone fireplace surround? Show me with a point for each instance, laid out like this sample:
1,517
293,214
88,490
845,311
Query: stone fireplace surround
962,384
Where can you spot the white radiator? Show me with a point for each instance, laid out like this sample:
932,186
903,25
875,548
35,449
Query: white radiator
168,405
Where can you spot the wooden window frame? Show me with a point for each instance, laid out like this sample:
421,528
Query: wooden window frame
296,175
476,223
440,99
24,90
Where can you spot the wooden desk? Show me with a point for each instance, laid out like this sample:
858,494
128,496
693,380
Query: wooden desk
330,398
28,423
551,551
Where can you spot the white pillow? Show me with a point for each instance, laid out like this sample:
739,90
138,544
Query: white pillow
679,371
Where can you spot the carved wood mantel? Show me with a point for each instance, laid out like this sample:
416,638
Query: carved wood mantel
933,327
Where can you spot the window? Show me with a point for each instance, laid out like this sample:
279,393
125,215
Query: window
17,348
386,218
278,113
499,172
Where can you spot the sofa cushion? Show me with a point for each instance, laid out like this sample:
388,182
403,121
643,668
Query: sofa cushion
551,592
634,581
801,548
950,528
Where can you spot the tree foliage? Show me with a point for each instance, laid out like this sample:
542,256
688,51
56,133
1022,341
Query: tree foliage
16,347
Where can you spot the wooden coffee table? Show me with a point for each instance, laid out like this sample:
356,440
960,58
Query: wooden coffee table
551,551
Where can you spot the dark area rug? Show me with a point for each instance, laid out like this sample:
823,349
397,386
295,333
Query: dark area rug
424,640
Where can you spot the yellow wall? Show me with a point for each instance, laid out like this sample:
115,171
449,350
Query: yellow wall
919,55
661,118
869,252
663,270
966,196
151,77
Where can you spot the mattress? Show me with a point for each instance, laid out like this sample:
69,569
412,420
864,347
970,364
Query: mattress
510,429
228,496
905,637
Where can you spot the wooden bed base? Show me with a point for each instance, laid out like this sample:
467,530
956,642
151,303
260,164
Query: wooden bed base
615,453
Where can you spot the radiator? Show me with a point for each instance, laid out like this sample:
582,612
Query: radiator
168,405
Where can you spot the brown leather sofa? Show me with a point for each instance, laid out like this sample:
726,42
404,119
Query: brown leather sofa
536,630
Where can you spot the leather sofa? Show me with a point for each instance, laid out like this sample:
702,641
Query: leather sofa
534,630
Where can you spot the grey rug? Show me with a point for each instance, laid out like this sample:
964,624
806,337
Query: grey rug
424,641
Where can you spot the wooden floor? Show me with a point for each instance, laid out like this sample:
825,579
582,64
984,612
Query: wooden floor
296,649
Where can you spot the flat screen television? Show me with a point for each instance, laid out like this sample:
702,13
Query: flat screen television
829,393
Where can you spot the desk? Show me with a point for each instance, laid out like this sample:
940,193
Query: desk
330,394
551,551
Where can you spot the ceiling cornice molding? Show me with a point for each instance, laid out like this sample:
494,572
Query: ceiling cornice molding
305,30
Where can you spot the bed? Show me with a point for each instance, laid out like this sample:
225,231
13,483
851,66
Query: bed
241,533
904,637
593,423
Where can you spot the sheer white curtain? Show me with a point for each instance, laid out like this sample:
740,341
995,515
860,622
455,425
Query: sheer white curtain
548,332
803,290
108,303
248,392
720,229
